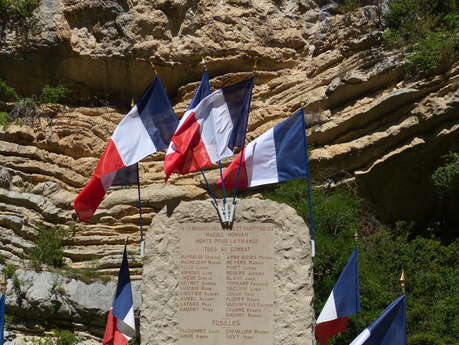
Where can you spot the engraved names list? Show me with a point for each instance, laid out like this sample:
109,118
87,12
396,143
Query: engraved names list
226,284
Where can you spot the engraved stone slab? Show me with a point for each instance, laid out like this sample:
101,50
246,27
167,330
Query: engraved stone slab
251,285
226,284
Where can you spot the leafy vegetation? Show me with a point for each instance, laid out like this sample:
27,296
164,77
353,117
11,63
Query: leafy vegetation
17,10
53,94
59,337
48,248
446,177
431,266
7,93
26,110
5,119
9,271
428,29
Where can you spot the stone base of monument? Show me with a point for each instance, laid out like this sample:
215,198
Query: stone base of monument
205,285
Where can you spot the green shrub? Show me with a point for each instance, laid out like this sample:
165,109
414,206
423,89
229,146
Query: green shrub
60,337
7,93
48,248
431,267
54,94
9,271
446,177
17,9
26,110
426,30
5,119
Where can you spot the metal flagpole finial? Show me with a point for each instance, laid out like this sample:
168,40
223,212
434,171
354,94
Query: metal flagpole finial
356,236
132,103
204,63
126,241
255,65
402,281
153,66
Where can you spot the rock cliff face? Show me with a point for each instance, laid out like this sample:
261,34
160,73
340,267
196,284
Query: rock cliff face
367,122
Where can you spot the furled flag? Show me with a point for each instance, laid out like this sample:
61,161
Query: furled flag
120,327
211,130
2,319
147,128
343,301
388,329
277,155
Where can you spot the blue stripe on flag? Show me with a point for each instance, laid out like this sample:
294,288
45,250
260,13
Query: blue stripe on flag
390,327
237,98
157,114
290,143
201,92
346,290
123,298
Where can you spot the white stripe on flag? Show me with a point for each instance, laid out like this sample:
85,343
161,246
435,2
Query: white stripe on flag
216,125
129,318
261,160
361,338
328,313
132,139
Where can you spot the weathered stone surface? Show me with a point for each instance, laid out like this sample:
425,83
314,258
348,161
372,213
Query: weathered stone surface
37,296
293,314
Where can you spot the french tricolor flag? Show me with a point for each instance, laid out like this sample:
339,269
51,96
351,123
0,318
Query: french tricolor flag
277,155
146,129
342,302
389,328
209,131
120,327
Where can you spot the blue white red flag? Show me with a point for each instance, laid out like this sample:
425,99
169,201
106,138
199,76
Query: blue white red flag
209,131
277,155
147,128
343,301
388,329
120,327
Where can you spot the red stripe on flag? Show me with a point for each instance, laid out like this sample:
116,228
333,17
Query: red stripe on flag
109,161
328,329
230,175
112,335
88,200
191,153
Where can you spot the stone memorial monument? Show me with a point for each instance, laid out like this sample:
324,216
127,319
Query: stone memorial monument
205,285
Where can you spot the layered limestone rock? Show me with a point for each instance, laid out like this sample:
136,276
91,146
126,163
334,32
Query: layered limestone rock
366,120
38,301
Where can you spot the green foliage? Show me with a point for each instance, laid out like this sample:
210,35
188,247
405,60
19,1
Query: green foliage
9,271
54,94
446,177
48,248
431,267
7,93
25,109
60,337
349,5
427,29
5,119
85,274
18,9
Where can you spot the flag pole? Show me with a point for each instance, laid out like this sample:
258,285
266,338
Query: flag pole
3,284
233,205
308,180
139,206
